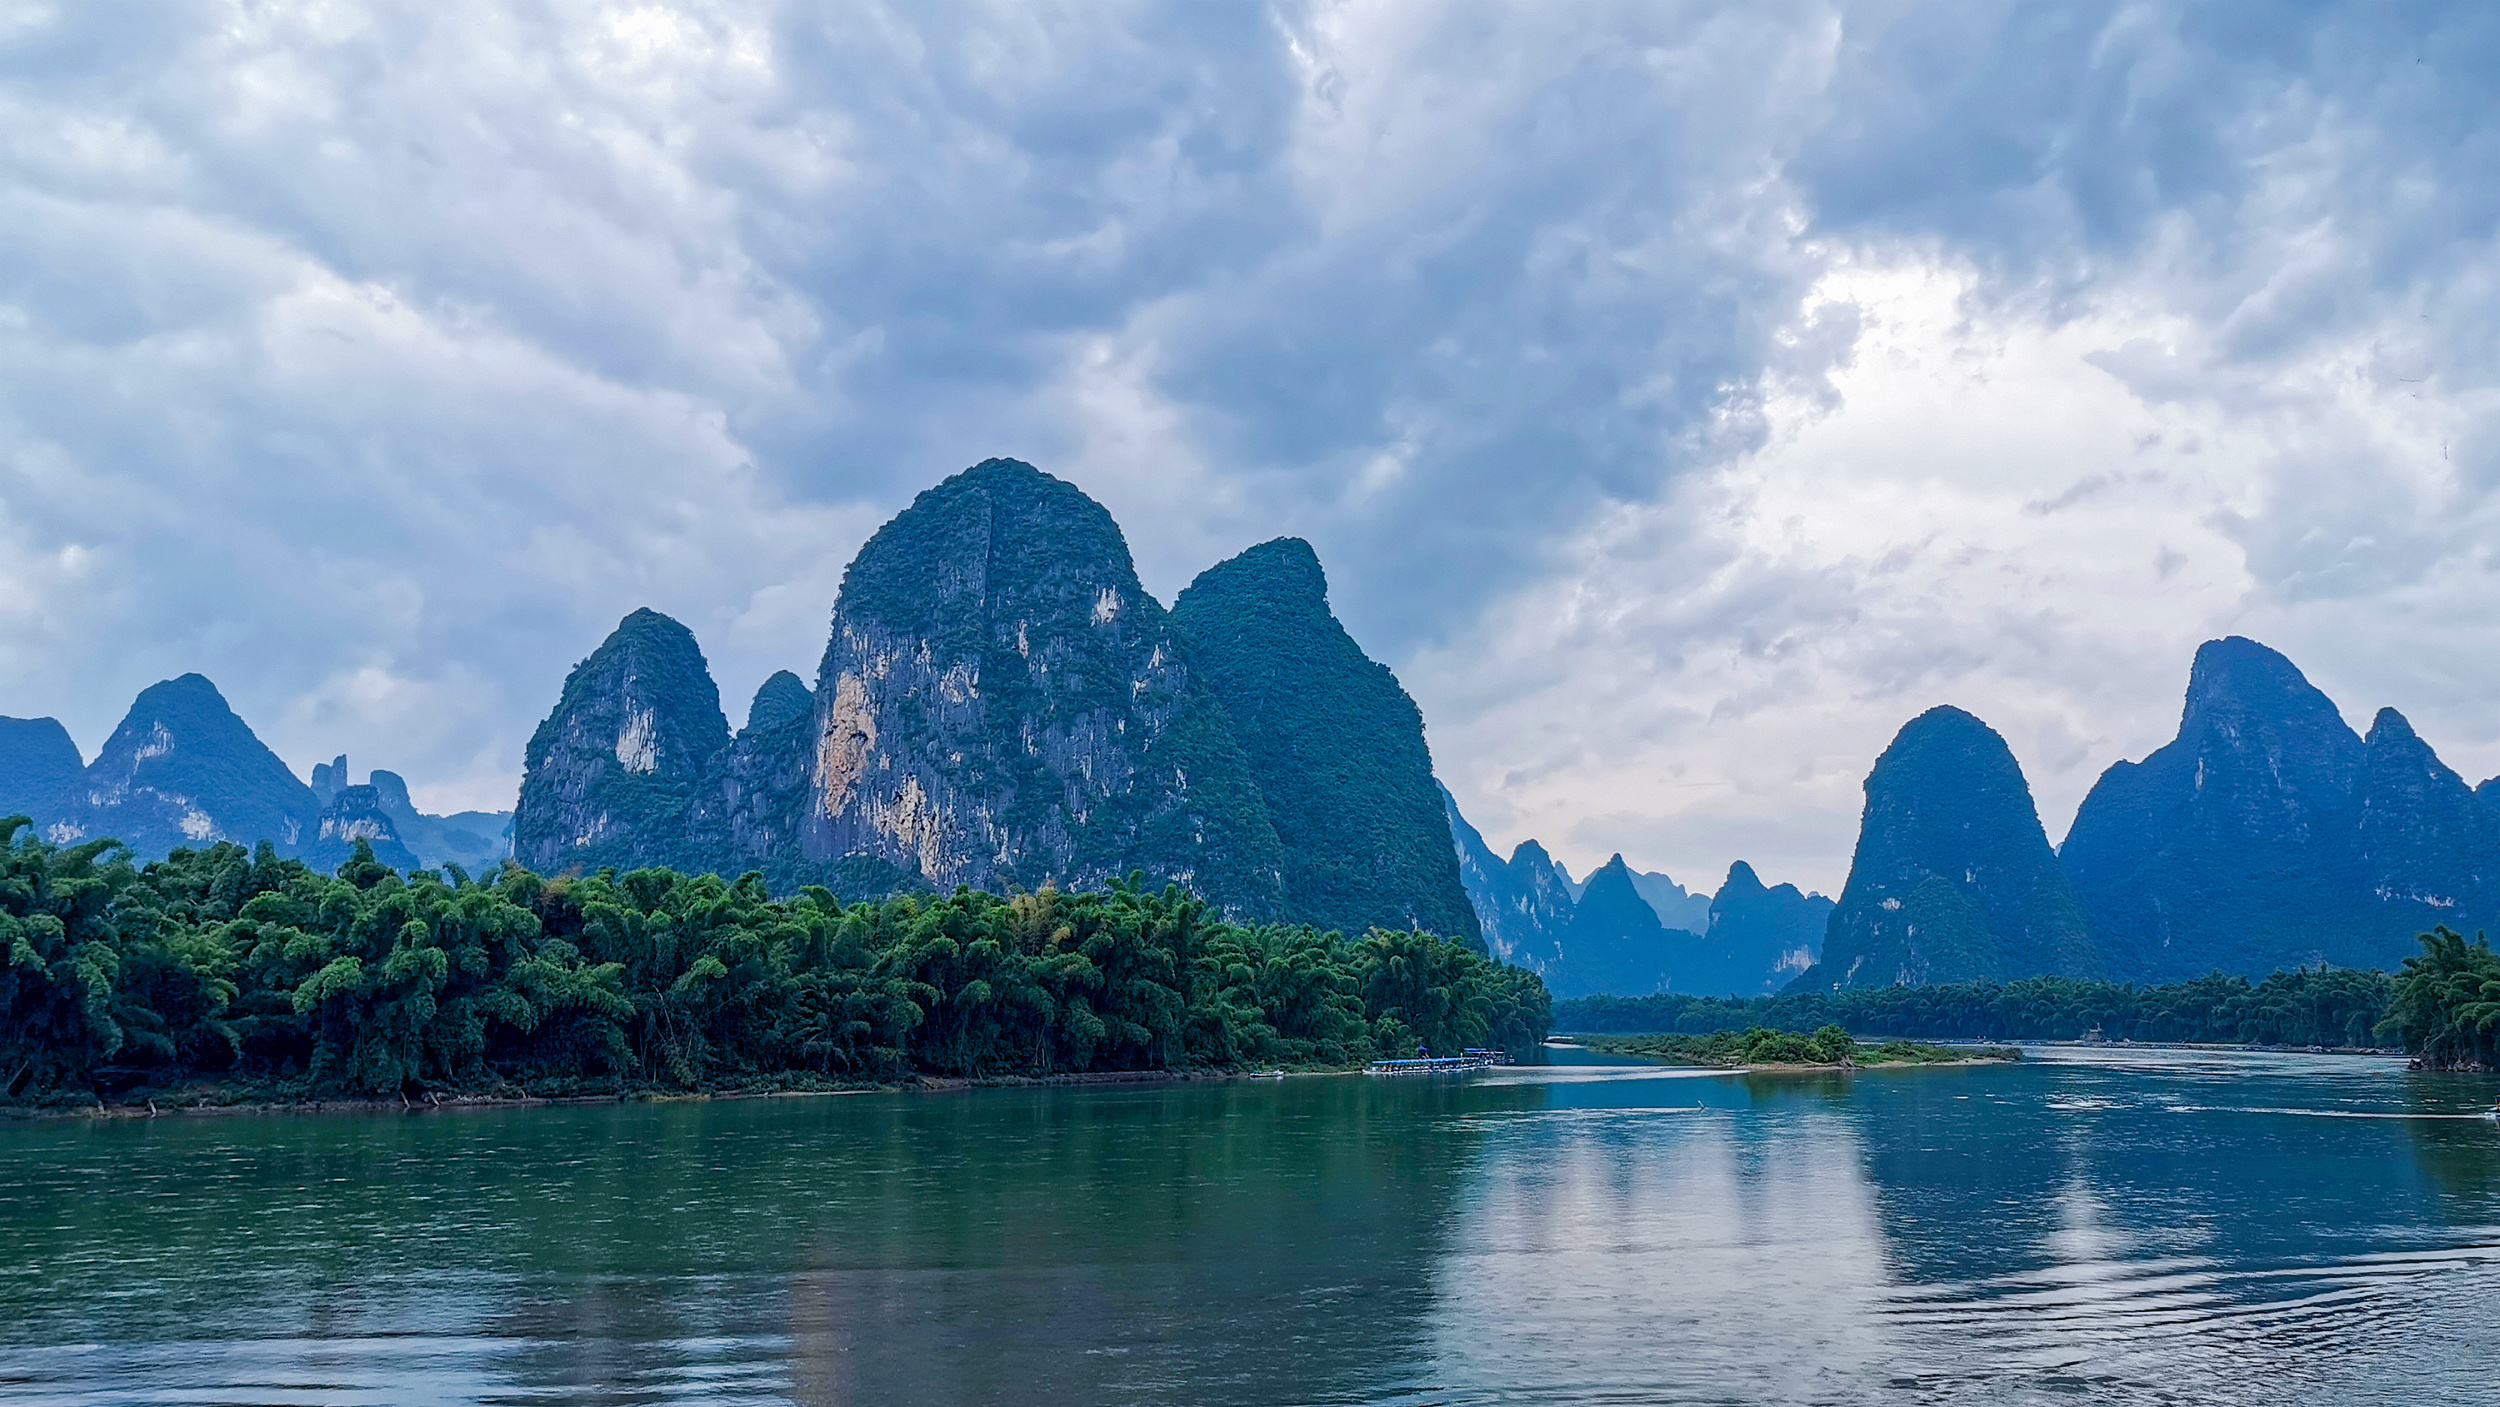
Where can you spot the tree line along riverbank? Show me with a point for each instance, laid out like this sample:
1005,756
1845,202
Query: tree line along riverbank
227,974
2443,1007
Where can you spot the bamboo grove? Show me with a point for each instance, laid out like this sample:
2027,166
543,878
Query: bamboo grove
260,977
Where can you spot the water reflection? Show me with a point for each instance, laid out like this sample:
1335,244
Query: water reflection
2126,1226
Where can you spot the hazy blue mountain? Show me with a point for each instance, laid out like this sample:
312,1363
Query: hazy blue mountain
1002,705
1677,908
1614,943
183,770
1334,743
1523,904
1953,879
2268,834
1745,941
611,776
39,769
2428,849
477,841
1757,938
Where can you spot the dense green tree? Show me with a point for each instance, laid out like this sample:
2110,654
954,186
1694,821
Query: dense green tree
2446,1003
261,974
2309,1006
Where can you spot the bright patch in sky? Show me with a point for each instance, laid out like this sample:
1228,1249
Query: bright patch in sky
1681,397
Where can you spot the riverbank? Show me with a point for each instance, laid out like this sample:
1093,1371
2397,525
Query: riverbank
1767,1051
213,1100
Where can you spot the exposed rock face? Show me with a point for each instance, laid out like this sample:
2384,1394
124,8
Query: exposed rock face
613,773
1003,705
2269,835
1523,906
1953,879
356,813
1336,746
182,770
39,768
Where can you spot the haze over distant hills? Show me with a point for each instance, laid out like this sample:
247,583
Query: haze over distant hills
183,770
1629,934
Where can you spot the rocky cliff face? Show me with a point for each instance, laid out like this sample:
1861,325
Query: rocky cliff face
1524,905
1003,705
1335,745
612,775
183,770
39,769
2268,834
356,813
1953,879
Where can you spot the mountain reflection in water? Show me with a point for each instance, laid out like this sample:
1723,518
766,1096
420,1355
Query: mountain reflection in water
2124,1226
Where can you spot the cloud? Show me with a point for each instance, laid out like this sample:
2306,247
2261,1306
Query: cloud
1740,376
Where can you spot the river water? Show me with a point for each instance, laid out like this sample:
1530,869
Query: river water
2087,1226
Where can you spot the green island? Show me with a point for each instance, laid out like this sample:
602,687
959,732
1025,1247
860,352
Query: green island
223,975
1830,1047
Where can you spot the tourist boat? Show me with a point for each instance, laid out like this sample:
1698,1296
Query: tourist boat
1439,1064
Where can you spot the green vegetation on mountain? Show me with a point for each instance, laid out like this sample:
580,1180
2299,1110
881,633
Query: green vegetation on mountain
1953,879
1760,1045
1005,706
1335,744
2319,845
612,775
2311,1006
779,699
182,769
267,979
39,767
1614,942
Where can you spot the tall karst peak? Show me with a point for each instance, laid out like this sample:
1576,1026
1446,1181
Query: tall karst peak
1953,879
1335,744
779,699
39,767
1759,937
2429,848
181,770
1614,942
2235,845
611,772
1002,705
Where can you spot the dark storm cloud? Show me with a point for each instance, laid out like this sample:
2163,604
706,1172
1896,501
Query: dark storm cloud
376,360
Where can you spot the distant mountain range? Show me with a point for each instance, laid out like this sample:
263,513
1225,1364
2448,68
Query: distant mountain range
2267,835
183,770
1630,934
1001,704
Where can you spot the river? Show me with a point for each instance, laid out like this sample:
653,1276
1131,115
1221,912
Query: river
2106,1226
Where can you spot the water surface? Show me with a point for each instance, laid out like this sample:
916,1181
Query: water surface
2103,1226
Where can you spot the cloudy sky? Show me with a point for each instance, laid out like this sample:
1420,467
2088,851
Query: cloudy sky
1682,395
